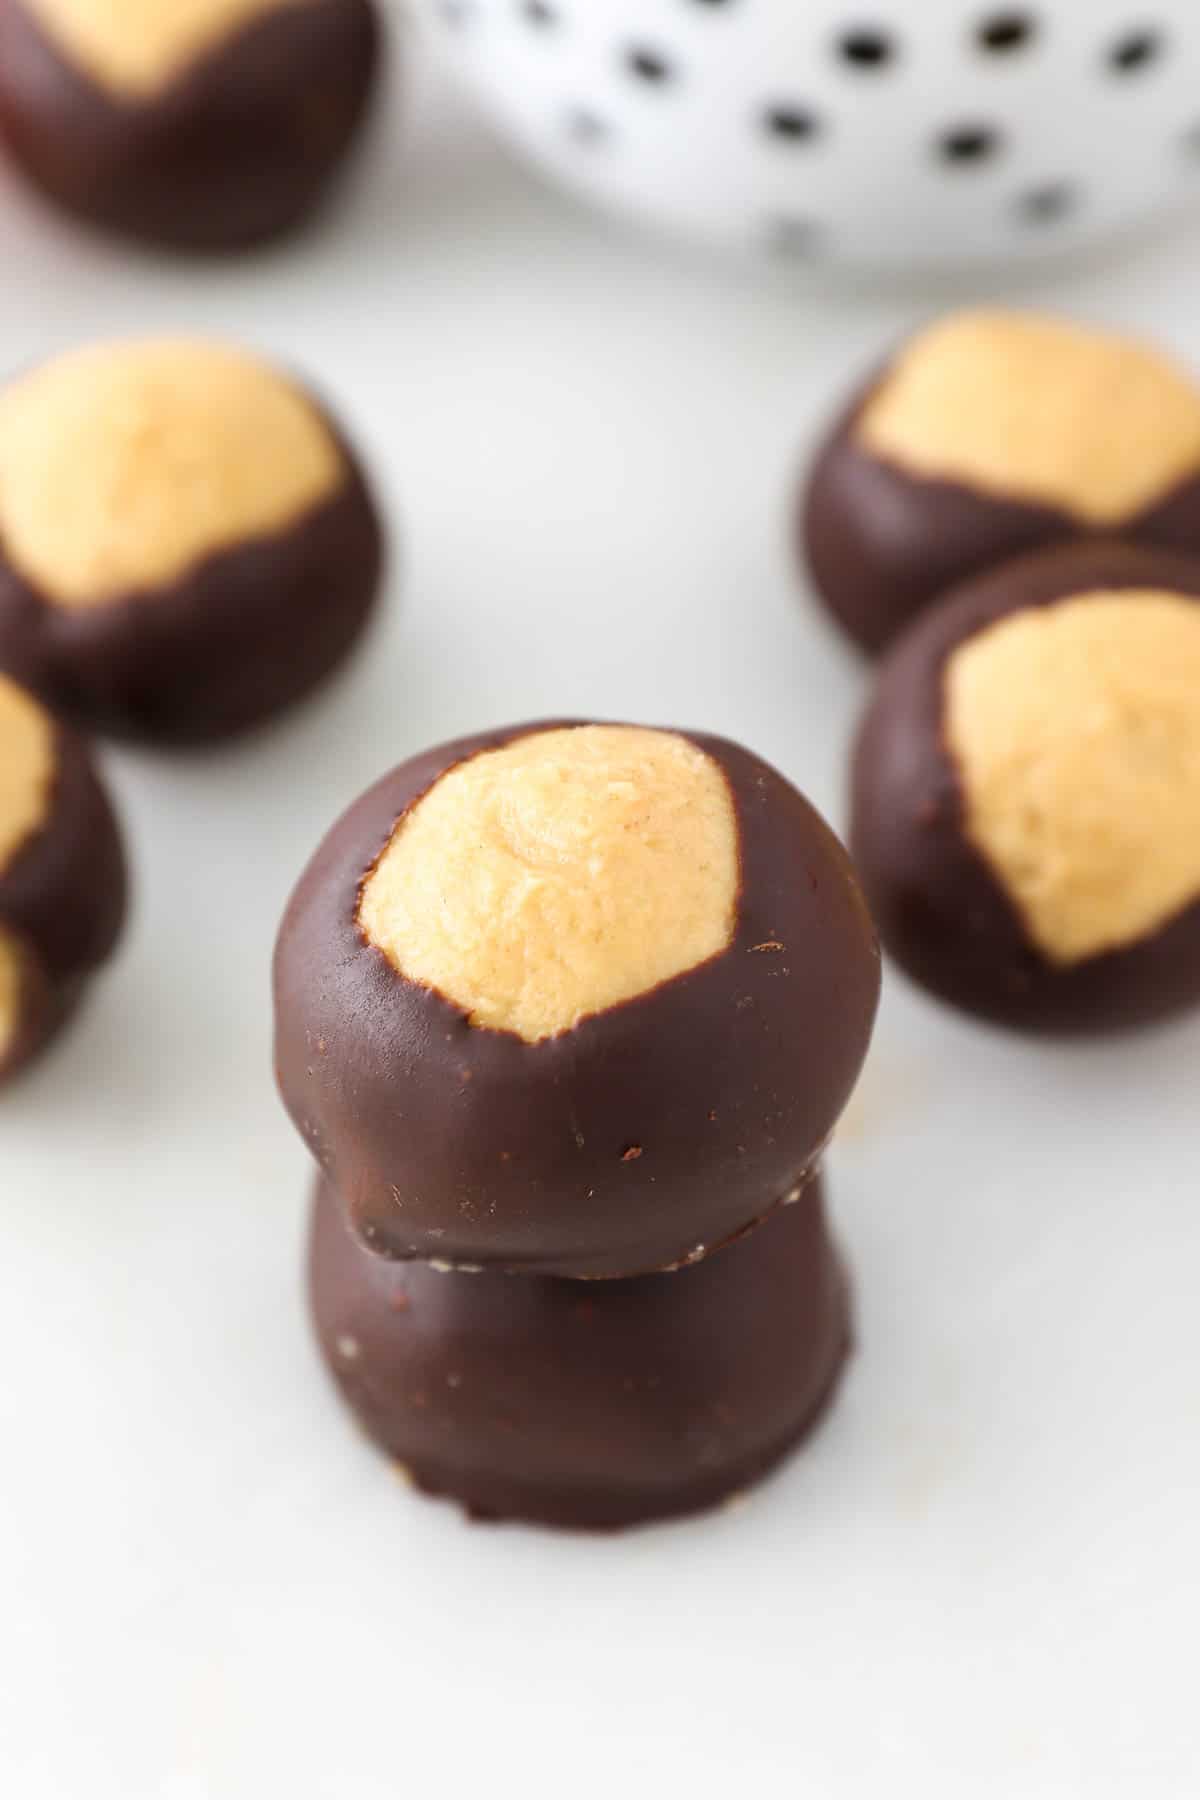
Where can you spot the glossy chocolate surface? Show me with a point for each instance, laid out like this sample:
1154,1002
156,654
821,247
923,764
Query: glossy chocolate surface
941,911
649,1134
239,150
586,1406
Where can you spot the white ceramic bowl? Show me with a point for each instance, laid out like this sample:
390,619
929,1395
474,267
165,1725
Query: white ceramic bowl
888,133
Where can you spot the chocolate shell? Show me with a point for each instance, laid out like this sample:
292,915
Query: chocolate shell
586,1406
643,1138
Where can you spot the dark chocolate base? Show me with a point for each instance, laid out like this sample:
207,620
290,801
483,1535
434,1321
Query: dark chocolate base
882,545
941,912
239,639
586,1408
63,898
239,151
649,1134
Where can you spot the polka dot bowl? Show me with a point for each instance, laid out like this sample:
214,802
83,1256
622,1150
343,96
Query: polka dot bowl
888,133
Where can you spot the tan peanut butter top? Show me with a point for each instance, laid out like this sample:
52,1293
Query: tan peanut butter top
136,48
1076,732
10,994
559,875
1029,408
26,768
123,466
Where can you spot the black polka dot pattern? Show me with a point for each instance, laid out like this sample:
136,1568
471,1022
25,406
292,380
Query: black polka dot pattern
783,130
1047,204
791,124
649,65
1003,32
967,146
1136,51
867,47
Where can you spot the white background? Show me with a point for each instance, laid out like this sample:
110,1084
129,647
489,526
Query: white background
981,1579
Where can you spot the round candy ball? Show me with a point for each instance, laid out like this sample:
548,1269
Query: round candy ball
187,542
992,433
198,125
580,1000
62,875
1026,811
586,1406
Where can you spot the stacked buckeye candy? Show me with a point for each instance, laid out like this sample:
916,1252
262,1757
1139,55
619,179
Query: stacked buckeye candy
567,1013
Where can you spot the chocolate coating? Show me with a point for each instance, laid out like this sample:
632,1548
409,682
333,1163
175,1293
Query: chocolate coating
586,1407
240,149
941,912
243,635
647,1135
883,544
63,898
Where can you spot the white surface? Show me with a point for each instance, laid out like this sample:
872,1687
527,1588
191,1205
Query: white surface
980,1581
661,108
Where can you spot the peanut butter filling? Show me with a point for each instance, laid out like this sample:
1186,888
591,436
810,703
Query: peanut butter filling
10,995
136,48
1076,731
1028,408
26,769
122,466
559,875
